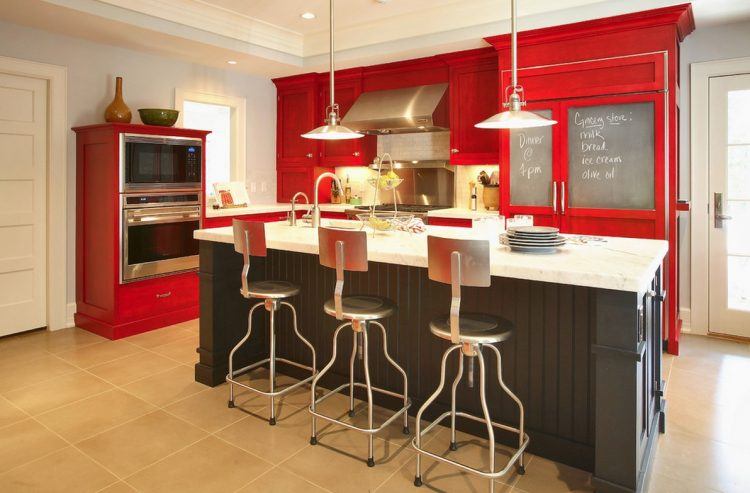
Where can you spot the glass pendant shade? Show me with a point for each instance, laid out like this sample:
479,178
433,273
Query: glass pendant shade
332,130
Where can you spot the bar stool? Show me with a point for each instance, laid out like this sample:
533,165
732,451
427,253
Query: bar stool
250,240
347,251
467,263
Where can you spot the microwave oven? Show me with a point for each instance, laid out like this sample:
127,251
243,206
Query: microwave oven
153,162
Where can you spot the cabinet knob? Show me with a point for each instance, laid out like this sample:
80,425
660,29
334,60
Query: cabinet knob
454,151
309,155
356,153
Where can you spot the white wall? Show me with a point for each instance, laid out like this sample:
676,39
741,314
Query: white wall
710,43
149,81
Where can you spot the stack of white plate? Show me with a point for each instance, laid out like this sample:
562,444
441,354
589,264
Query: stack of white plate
533,239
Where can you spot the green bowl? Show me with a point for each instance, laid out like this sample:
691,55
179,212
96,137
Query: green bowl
156,116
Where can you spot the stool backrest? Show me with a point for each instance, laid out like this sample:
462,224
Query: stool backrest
249,239
342,250
458,263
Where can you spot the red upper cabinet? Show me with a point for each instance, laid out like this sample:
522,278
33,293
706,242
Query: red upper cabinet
296,114
354,152
473,97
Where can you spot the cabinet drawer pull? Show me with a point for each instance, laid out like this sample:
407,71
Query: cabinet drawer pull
356,153
164,295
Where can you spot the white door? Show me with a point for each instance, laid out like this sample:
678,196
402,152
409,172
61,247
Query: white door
729,189
23,229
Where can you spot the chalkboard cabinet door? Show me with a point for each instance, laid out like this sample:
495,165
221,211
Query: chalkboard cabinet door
600,170
613,165
531,181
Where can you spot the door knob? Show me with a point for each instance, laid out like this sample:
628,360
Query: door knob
454,151
356,153
309,155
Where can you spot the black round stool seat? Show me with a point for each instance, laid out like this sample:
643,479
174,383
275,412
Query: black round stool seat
475,328
272,289
362,307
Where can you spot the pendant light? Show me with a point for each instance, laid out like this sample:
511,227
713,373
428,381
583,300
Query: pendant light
514,116
332,130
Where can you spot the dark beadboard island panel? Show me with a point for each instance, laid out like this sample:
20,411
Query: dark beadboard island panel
586,362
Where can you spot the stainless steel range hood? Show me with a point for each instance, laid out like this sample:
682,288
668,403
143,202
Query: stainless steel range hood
407,110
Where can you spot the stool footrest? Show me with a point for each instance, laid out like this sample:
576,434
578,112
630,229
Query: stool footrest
485,474
231,378
390,420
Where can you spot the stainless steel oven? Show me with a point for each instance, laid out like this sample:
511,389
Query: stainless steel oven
157,234
154,162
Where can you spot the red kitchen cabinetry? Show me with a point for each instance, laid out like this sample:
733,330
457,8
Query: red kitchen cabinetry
632,58
473,98
266,217
104,305
296,114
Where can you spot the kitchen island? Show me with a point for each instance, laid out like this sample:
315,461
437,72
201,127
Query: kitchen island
585,358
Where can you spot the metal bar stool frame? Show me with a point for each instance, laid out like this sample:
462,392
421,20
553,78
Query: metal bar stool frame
250,240
466,263
347,251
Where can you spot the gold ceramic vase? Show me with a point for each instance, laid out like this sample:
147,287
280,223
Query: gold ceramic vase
118,111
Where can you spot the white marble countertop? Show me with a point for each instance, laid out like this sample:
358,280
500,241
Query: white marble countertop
622,264
462,213
270,208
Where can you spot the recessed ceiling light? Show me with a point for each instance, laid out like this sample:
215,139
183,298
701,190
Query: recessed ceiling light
308,15
232,62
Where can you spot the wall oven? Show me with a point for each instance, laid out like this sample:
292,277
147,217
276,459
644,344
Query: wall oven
153,162
157,234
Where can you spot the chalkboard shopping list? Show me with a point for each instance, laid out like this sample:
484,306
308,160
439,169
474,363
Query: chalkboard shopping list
531,165
611,156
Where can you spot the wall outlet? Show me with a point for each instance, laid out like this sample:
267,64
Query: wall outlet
263,186
252,187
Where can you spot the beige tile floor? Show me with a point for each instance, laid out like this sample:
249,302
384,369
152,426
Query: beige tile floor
79,413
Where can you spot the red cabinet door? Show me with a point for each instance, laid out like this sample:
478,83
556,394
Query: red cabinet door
353,152
473,98
296,115
290,180
530,183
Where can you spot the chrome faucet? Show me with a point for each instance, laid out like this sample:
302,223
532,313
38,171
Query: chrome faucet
315,211
293,214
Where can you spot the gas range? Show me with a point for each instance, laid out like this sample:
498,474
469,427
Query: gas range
418,210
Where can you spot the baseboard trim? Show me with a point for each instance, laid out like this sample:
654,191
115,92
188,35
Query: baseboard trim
70,310
685,317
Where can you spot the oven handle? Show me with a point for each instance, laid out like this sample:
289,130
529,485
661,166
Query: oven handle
164,217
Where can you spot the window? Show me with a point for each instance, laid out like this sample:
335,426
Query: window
224,116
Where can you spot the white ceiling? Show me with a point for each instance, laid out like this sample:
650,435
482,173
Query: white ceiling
269,37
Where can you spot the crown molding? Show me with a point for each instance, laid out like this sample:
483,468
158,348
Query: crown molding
200,15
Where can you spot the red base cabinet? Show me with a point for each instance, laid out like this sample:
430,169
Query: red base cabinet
104,305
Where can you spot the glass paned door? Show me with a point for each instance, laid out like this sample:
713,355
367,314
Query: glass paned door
729,205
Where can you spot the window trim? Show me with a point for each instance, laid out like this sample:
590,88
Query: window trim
237,123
